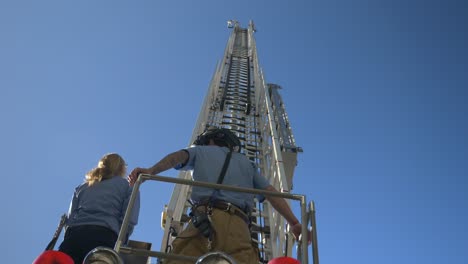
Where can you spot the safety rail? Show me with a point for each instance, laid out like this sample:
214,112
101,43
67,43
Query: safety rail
313,224
305,217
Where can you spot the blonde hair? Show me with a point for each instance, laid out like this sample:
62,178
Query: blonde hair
109,166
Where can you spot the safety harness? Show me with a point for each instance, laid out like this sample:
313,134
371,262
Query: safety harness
201,220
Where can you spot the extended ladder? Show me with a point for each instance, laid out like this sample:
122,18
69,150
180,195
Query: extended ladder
239,99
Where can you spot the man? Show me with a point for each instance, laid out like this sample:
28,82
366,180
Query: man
228,211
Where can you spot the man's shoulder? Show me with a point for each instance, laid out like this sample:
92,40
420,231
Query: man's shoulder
244,159
209,148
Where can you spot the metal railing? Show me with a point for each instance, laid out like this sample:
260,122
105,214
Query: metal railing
305,217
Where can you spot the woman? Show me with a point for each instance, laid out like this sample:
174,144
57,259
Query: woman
98,207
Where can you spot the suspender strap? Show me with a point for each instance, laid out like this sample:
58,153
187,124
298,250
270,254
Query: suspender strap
224,169
221,175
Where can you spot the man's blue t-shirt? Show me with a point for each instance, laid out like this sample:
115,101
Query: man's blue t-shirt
207,162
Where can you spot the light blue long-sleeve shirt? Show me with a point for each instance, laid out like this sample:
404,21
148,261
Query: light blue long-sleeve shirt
103,204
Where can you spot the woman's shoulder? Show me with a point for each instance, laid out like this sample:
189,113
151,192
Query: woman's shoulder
118,182
119,179
81,187
120,185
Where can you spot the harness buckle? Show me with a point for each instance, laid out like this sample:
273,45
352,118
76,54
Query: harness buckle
228,208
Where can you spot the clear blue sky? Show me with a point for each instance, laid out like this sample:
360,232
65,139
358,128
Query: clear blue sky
376,92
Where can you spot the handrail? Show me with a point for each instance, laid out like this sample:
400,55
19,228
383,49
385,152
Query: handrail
313,223
142,177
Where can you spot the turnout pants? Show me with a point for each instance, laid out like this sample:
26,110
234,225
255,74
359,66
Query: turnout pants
232,236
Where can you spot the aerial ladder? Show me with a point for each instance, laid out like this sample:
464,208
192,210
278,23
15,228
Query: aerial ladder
238,99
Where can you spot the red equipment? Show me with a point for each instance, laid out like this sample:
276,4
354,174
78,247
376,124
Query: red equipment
53,257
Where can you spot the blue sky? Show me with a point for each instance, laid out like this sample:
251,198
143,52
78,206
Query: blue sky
376,93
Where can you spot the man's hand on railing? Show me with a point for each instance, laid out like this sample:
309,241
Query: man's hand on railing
296,229
134,175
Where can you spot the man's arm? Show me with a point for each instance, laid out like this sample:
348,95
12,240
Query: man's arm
283,208
168,162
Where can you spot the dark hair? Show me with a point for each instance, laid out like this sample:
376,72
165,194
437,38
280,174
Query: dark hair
221,136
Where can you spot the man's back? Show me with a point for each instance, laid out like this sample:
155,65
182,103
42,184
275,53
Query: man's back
207,162
228,229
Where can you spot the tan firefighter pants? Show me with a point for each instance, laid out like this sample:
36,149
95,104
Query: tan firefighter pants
232,236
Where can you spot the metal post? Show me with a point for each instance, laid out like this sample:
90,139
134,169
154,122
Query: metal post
314,233
304,232
128,212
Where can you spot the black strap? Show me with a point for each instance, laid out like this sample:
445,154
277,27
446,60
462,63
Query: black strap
220,178
62,223
224,169
221,175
